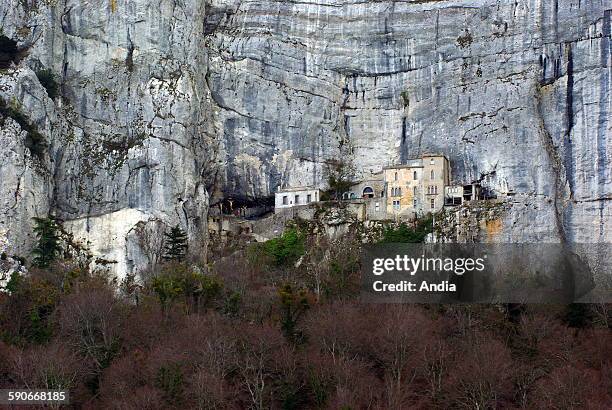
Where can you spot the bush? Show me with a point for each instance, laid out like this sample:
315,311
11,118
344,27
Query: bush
26,318
178,281
47,80
406,234
287,249
339,178
280,252
578,315
170,381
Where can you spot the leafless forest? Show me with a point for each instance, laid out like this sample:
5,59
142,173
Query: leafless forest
252,331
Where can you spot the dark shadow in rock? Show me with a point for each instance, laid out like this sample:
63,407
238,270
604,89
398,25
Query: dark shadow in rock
9,53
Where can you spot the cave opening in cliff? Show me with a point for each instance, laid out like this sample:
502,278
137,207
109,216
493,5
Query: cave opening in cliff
244,207
9,53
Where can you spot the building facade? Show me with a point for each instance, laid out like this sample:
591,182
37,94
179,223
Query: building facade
417,187
372,187
288,198
457,194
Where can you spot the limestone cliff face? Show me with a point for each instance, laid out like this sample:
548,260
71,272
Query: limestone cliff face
165,102
516,93
127,142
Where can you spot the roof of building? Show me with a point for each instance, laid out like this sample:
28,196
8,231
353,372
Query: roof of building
296,189
433,154
401,166
415,162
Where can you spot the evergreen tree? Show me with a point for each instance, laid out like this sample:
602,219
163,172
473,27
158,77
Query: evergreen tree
47,248
176,244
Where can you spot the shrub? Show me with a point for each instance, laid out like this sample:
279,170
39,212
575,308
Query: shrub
179,281
339,178
170,381
287,249
26,318
578,315
407,234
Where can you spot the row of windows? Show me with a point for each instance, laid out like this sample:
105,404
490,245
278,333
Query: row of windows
297,199
431,190
432,175
396,204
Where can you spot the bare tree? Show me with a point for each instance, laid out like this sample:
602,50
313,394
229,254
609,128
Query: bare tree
151,240
90,321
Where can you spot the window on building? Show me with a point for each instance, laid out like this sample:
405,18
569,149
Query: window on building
285,200
396,205
377,206
316,196
433,174
399,191
308,198
368,192
297,199
436,189
433,203
414,191
432,161
414,203
415,177
396,176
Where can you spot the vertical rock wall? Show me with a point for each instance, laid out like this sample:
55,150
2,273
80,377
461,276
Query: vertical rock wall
163,102
135,144
516,93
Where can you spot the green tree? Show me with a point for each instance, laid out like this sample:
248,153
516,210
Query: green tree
409,234
47,248
176,244
294,303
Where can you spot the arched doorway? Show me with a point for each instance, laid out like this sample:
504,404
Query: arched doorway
368,192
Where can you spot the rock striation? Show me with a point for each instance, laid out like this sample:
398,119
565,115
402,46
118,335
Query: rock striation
163,103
